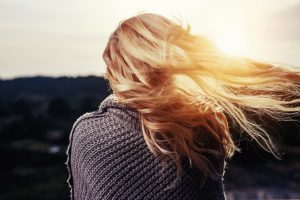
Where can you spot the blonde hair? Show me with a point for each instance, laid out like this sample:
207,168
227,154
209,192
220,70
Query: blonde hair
187,91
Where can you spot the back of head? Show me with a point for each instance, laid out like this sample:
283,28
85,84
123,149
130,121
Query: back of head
186,89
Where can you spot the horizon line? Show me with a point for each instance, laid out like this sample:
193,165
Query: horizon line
49,76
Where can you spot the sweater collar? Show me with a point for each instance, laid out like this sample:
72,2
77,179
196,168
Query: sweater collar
111,102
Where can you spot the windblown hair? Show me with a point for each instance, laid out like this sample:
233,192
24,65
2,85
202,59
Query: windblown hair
186,90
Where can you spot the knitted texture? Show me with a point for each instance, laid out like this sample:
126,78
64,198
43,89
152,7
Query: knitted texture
108,159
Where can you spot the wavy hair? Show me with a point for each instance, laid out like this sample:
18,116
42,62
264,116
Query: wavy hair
188,92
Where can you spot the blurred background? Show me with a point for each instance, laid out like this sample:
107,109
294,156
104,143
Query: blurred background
51,73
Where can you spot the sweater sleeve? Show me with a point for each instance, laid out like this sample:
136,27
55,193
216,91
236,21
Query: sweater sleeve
68,152
100,147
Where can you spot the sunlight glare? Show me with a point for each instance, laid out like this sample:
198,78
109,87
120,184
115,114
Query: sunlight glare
233,42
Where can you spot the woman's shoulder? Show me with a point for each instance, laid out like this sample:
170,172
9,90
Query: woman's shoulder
110,120
95,124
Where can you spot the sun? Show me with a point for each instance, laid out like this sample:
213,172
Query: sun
233,42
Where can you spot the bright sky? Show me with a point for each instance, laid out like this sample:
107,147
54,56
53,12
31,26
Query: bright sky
67,37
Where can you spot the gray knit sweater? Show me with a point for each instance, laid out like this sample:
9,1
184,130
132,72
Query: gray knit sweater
108,159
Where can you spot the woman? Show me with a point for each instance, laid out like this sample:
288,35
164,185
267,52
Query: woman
164,131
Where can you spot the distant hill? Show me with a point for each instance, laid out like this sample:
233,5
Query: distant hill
64,87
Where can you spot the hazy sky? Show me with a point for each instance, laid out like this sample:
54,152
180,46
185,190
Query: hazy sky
64,37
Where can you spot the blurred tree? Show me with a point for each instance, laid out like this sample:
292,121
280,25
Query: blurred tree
59,107
22,107
88,104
